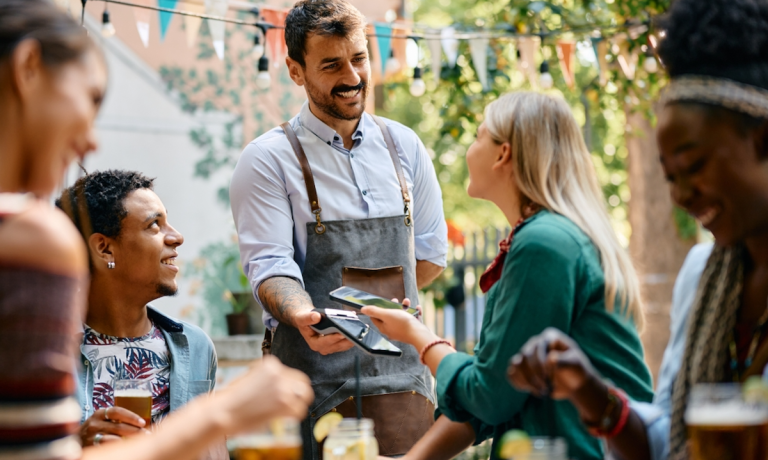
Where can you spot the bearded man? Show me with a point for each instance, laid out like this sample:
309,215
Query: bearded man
334,197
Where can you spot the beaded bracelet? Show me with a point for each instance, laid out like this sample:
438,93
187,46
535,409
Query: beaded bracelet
608,427
430,345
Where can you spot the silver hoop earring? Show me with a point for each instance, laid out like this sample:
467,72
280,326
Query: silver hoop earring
110,265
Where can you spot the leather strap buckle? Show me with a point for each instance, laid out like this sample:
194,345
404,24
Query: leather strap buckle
398,168
319,228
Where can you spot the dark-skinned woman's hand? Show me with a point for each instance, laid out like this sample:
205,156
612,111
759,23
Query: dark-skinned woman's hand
550,364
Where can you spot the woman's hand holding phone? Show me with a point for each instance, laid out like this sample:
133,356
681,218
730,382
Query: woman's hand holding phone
399,325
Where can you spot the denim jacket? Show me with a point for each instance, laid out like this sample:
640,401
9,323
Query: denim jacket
193,363
656,415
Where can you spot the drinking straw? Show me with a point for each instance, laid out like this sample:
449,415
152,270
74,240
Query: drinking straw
357,388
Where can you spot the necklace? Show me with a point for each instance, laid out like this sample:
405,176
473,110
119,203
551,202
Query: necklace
756,334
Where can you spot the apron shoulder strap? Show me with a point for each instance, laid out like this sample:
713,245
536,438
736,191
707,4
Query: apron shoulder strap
398,167
309,179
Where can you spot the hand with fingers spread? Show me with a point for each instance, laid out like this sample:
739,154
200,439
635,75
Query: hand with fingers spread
551,364
399,325
111,424
323,344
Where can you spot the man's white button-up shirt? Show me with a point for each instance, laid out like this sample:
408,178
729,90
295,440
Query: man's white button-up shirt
271,207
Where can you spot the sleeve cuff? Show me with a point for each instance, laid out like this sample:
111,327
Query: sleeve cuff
431,248
447,373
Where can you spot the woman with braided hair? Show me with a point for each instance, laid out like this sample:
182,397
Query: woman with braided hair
713,139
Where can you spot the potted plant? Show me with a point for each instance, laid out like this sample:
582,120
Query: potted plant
224,288
239,322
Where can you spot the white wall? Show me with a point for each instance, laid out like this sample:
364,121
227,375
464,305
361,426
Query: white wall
141,127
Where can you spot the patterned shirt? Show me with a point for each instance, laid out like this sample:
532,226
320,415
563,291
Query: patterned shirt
117,358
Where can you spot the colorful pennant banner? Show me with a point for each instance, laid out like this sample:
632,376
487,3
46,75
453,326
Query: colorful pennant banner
478,48
217,29
436,56
565,51
165,17
276,37
142,16
384,40
450,45
191,23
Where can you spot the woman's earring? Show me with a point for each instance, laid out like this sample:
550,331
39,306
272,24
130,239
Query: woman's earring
110,265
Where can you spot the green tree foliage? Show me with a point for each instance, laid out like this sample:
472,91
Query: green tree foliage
448,115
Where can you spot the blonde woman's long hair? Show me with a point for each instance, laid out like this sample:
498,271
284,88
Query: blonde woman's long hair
554,170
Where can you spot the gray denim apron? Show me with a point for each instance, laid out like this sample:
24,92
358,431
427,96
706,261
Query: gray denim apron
402,409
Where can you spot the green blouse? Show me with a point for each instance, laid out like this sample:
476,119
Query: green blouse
552,277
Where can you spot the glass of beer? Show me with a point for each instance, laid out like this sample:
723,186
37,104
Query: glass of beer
723,426
279,440
136,396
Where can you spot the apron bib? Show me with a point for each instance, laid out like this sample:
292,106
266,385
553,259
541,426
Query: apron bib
376,255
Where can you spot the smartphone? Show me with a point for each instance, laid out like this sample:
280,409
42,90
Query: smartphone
357,299
361,334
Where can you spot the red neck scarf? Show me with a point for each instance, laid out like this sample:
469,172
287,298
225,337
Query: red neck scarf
493,272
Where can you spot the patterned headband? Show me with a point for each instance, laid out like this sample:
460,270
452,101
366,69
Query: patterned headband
729,94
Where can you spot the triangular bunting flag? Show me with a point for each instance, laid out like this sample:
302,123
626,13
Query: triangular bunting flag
528,47
142,16
565,51
450,45
436,55
628,60
217,29
384,40
191,23
165,17
478,48
276,37
601,50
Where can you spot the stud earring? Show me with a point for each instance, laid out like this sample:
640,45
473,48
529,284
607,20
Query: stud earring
110,265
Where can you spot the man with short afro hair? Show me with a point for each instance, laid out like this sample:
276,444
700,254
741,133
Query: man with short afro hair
133,250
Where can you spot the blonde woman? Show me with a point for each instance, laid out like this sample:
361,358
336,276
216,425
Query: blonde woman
561,267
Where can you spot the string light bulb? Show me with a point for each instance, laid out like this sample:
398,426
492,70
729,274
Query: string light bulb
107,28
545,79
418,87
393,65
258,48
263,80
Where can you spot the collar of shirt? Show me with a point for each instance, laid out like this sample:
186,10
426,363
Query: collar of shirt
326,133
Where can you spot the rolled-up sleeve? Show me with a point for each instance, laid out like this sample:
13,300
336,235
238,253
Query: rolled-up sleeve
262,213
430,229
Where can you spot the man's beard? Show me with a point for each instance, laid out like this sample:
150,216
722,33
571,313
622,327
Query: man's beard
328,104
166,290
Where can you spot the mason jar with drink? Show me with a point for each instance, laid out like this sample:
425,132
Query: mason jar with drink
351,439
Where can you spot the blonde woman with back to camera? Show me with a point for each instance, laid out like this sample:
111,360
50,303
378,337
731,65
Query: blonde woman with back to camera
561,267
52,81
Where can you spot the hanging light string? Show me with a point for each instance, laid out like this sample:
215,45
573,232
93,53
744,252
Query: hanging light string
414,36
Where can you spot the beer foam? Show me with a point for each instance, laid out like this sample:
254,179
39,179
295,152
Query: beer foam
261,441
726,414
133,393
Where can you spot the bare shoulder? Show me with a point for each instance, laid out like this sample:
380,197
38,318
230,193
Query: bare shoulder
43,237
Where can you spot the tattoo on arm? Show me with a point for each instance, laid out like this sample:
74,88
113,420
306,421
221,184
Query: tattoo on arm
282,297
